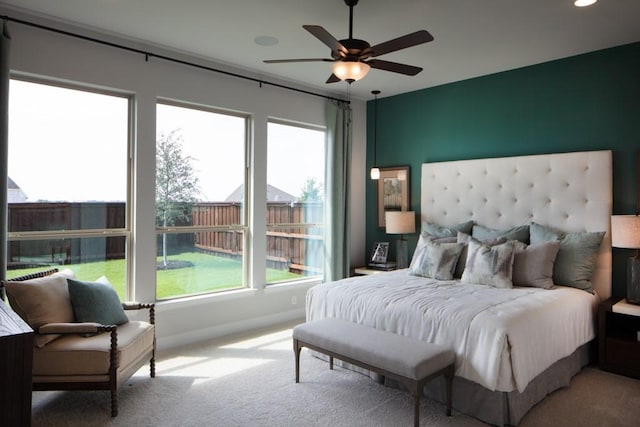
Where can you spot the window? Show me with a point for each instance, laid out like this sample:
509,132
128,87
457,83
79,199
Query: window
200,199
68,181
295,202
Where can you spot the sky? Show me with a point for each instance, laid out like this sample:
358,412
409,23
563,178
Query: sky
80,139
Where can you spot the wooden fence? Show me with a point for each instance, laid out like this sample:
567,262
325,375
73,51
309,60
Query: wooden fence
299,249
68,217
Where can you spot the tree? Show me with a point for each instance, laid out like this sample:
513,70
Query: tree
311,191
177,186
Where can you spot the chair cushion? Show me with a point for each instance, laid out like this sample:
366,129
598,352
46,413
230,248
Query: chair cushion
96,302
42,300
75,355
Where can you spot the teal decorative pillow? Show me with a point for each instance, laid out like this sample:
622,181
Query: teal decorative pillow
436,230
433,259
576,257
533,264
96,302
489,265
520,233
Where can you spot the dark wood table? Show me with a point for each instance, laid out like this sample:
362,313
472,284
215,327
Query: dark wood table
16,353
618,340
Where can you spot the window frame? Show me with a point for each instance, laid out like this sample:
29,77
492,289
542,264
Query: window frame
244,227
126,231
307,225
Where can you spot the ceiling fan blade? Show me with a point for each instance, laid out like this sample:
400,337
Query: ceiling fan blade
280,61
394,67
333,79
323,35
413,39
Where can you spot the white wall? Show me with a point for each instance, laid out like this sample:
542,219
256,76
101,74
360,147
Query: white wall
43,54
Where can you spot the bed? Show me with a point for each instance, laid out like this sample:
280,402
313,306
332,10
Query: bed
513,345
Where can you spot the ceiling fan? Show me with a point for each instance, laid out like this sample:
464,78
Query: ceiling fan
351,57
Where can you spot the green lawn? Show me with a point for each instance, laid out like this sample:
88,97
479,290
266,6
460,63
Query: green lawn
209,273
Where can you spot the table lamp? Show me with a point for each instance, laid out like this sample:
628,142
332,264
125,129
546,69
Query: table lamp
625,233
401,222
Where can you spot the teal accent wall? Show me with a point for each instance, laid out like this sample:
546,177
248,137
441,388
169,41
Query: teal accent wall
585,102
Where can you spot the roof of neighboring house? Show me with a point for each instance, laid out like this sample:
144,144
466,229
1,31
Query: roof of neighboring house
15,193
11,184
273,195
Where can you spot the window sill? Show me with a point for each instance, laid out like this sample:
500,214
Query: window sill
288,286
196,300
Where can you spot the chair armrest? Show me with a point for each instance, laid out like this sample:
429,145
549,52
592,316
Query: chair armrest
75,328
134,305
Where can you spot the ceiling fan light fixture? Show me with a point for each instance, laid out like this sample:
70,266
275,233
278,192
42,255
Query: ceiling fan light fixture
584,3
350,71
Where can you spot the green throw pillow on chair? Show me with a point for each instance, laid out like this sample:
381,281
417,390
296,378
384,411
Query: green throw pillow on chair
96,302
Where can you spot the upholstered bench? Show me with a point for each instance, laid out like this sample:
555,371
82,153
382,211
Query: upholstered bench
409,361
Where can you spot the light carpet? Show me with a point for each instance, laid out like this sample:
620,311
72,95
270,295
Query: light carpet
250,381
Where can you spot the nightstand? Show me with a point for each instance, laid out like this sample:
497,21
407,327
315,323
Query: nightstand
365,271
619,337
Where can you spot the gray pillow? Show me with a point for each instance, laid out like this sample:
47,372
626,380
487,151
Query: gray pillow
533,264
489,265
576,257
96,302
520,233
434,259
436,230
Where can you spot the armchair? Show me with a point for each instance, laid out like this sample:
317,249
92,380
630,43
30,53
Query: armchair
71,355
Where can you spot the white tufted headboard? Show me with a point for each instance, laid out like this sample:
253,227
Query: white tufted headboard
569,191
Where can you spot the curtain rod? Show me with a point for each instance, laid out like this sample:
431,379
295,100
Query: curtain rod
147,55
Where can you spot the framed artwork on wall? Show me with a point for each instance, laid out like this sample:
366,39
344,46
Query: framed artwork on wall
392,192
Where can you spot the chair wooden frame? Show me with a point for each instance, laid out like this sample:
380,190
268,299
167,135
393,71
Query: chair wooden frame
114,381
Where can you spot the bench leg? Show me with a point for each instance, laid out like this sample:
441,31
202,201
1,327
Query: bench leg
416,410
296,351
449,378
330,362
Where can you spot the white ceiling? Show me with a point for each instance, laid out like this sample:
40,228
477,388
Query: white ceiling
472,37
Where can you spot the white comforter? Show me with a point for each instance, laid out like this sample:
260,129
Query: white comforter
503,338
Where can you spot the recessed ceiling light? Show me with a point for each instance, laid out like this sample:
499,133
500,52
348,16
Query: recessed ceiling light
266,41
583,3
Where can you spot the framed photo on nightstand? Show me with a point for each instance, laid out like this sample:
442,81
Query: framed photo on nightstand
379,253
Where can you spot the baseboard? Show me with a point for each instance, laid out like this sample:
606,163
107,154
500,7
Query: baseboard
213,332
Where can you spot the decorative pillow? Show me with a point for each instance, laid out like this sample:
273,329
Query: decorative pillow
422,240
41,301
489,265
520,233
440,231
464,239
434,259
96,302
576,257
533,264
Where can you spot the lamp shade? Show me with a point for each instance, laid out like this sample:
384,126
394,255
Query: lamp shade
350,71
625,231
400,222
